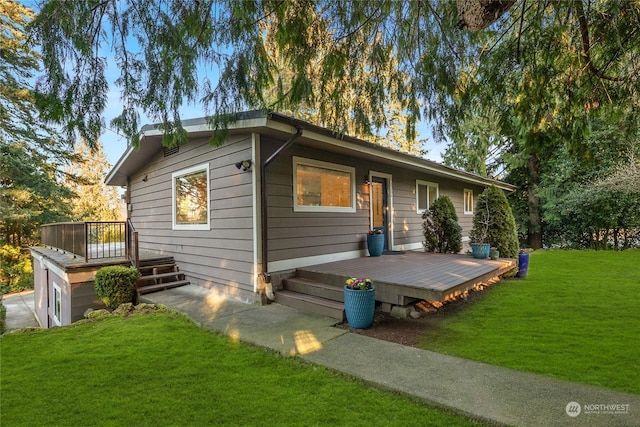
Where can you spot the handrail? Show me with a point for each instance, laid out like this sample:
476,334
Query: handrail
132,244
89,239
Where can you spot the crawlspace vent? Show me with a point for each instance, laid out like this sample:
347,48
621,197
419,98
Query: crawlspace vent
169,151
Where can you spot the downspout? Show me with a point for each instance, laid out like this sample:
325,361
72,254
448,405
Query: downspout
263,204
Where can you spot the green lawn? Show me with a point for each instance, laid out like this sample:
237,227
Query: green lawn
576,317
161,369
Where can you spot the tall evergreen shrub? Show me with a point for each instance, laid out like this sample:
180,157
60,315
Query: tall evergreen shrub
493,222
442,233
116,285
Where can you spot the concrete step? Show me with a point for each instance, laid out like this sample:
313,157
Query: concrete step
161,286
312,304
314,288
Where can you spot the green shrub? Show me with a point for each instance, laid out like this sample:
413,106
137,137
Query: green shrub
16,271
3,317
442,233
493,222
116,285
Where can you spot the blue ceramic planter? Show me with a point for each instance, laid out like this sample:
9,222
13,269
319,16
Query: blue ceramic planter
359,307
375,244
523,265
480,250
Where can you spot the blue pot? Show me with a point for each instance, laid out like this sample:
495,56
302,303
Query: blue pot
523,265
480,250
375,244
359,307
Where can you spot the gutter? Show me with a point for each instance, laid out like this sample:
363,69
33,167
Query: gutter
263,205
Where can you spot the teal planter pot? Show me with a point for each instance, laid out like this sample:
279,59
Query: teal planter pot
480,250
375,244
359,307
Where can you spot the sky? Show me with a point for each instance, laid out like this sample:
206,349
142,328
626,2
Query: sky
115,144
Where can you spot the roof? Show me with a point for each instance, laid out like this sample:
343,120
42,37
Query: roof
283,126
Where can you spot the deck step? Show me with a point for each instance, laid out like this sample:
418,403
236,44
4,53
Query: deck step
310,303
314,288
144,279
161,286
158,266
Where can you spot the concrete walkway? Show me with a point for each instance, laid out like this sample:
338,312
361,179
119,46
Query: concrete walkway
479,390
20,310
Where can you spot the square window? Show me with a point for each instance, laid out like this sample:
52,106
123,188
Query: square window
426,193
191,200
323,187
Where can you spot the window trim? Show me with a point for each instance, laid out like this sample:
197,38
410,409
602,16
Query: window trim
464,201
56,315
187,171
420,182
326,165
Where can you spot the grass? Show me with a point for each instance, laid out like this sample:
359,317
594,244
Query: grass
575,317
161,369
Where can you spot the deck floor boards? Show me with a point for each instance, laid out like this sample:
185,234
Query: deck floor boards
434,274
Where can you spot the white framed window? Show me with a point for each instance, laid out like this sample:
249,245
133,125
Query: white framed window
468,201
323,187
191,198
56,309
426,193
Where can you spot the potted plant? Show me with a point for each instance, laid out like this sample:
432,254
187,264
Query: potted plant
359,302
494,253
375,242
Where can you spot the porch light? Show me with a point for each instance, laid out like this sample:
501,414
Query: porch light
245,165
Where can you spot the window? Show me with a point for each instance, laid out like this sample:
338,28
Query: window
468,201
57,304
426,193
190,194
323,187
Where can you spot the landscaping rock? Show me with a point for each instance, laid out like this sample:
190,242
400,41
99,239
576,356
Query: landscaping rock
415,314
401,312
87,312
124,309
99,314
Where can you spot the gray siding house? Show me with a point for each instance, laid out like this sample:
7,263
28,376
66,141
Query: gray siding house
279,194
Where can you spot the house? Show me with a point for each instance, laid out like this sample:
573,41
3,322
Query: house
279,194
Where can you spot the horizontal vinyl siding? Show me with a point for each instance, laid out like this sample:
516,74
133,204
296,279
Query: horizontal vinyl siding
221,257
304,234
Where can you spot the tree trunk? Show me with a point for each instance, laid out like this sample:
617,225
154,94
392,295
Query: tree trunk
534,229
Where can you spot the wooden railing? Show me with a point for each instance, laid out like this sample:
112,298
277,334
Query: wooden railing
132,244
93,239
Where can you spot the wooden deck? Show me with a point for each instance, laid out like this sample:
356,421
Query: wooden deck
402,278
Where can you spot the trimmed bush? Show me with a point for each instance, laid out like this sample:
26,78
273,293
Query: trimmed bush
493,222
116,285
442,233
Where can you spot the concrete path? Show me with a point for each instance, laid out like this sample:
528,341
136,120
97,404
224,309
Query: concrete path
491,393
20,310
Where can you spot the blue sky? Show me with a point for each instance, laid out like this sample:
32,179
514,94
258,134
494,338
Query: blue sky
115,144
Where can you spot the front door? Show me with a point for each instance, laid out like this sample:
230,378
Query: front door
380,207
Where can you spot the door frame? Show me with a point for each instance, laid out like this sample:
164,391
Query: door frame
389,197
